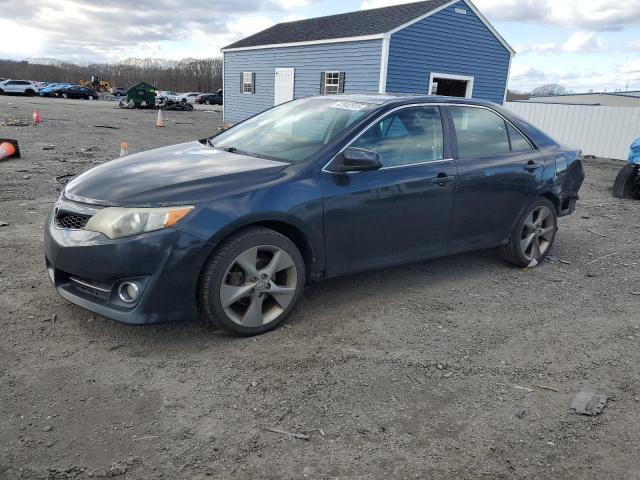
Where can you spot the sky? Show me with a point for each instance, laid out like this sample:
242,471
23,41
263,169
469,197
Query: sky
582,44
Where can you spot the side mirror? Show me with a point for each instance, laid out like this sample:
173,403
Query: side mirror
356,160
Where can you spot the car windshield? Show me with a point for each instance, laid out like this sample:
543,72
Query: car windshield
294,131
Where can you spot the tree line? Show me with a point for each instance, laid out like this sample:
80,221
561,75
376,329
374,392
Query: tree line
198,75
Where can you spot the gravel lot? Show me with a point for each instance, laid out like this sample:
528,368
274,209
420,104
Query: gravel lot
408,372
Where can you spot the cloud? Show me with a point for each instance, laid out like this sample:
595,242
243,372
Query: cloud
604,15
543,48
369,4
525,77
582,42
631,67
110,29
292,4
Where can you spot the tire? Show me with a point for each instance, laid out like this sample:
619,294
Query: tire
65,95
29,93
90,97
627,184
207,102
536,227
251,286
1,92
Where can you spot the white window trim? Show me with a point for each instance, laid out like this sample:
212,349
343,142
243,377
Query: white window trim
250,92
448,76
333,85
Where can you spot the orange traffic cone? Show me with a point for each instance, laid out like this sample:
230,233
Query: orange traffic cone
159,120
9,149
124,149
36,117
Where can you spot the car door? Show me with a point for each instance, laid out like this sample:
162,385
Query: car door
12,87
401,212
499,173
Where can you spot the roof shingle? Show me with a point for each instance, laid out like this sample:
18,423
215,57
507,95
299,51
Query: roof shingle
353,24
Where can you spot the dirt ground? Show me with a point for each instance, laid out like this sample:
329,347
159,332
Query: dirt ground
408,372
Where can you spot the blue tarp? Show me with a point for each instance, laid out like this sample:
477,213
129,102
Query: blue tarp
634,152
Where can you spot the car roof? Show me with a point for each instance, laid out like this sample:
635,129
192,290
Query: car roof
398,99
404,98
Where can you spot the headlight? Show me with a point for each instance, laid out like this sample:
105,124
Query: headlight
117,222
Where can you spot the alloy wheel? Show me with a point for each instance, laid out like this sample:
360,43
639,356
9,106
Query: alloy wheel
537,233
258,286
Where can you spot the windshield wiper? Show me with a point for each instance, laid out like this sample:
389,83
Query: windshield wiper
237,151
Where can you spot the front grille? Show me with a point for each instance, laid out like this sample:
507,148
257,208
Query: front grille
71,221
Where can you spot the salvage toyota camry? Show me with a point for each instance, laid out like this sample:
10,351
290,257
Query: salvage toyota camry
232,227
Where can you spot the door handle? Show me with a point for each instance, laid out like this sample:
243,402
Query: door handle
442,179
532,166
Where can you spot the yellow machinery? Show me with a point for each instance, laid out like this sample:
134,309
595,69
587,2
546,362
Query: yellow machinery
97,83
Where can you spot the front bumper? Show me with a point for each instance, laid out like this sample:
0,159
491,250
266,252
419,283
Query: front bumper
87,267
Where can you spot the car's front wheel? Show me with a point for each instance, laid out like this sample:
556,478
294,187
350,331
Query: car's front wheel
252,282
65,95
534,234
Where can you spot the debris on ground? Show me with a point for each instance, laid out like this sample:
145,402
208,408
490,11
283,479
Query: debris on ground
600,258
15,122
526,389
176,106
49,147
589,402
64,179
596,233
107,126
299,436
546,387
3,224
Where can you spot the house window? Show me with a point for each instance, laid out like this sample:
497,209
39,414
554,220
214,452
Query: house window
331,83
248,82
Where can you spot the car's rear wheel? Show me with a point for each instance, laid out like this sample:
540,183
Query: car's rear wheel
252,282
90,97
29,93
64,95
207,102
627,184
534,234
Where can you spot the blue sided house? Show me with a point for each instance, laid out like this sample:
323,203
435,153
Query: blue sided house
435,47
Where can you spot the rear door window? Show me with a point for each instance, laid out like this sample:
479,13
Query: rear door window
479,132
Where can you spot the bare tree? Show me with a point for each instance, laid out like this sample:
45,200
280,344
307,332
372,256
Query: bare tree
202,75
549,89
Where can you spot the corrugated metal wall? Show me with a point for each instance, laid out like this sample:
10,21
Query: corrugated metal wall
360,61
448,42
602,131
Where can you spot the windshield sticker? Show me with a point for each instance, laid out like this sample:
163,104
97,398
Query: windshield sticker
353,106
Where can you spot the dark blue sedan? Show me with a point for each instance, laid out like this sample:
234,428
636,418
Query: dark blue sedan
232,227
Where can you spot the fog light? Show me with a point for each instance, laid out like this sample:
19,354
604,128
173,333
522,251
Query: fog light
128,292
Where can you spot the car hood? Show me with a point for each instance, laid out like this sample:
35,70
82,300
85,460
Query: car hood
184,173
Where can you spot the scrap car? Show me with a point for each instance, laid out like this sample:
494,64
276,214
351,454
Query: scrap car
232,227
